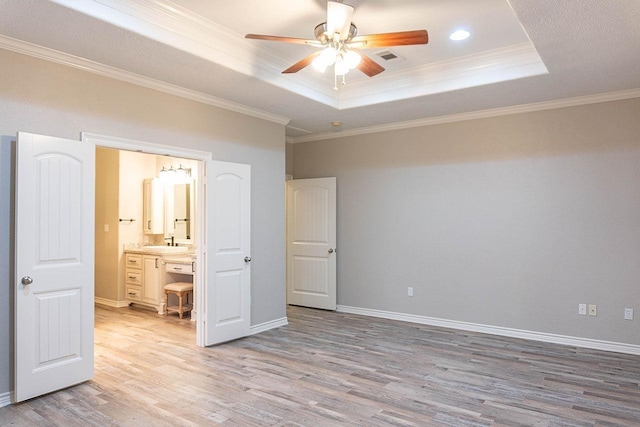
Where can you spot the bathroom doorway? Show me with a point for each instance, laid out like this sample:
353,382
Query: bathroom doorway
145,230
222,276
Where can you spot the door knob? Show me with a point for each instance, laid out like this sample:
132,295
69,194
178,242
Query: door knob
26,280
330,251
247,259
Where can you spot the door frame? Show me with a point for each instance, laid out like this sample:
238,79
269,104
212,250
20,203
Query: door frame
202,157
329,300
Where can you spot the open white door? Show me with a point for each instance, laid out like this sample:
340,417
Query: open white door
311,243
54,264
228,252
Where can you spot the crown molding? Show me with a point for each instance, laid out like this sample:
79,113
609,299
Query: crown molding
473,115
62,58
170,23
494,66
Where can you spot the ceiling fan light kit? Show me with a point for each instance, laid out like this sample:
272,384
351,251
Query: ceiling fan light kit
338,39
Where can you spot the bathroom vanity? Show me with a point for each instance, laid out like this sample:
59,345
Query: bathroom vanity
149,268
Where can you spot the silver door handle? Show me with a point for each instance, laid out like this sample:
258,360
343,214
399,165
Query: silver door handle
330,251
26,280
247,259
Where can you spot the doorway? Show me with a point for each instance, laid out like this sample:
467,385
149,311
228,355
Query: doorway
144,239
198,159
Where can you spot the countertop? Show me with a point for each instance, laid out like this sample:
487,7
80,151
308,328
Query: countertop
169,253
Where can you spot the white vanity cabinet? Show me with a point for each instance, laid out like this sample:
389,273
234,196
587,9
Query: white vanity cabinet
152,282
133,277
153,206
144,280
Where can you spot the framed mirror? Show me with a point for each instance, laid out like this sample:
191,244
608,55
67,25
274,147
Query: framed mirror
180,212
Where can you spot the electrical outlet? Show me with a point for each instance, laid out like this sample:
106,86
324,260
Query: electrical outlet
593,310
410,291
582,309
628,314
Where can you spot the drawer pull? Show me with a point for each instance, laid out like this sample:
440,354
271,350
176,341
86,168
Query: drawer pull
133,294
132,277
177,268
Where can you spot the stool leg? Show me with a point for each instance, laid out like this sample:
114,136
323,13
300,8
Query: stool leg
166,303
180,303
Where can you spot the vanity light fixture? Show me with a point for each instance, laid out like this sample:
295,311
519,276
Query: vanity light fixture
183,172
174,175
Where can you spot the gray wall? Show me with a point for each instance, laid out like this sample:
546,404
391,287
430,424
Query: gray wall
41,97
509,221
289,158
7,155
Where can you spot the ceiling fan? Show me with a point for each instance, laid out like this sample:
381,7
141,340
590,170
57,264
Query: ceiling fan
338,39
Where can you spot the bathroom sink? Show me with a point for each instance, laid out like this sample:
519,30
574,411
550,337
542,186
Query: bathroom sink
167,249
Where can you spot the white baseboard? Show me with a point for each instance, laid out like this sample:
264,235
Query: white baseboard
262,327
496,330
110,302
6,399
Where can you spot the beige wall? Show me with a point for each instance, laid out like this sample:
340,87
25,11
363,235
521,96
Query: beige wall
46,98
107,205
509,221
119,179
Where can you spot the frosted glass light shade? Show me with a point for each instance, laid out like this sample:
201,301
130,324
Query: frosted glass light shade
352,59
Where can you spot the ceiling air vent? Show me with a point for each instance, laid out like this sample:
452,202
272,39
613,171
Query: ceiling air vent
387,55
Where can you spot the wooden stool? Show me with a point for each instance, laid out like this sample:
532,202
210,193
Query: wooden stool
181,290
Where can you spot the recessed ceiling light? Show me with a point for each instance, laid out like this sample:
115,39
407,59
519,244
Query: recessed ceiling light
459,35
336,124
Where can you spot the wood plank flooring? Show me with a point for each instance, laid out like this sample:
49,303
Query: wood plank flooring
333,369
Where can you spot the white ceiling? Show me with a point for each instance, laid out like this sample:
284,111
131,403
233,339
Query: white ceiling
520,52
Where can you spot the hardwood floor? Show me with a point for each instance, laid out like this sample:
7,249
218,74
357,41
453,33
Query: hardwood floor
327,369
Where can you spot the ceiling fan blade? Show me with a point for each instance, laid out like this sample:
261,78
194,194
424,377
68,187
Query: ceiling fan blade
401,38
302,63
369,66
282,39
339,19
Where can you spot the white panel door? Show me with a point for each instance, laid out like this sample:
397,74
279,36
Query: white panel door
228,252
54,264
311,243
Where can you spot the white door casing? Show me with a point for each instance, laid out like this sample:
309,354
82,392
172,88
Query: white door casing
55,180
311,243
228,252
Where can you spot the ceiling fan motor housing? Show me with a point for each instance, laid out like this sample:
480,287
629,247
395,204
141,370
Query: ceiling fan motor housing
321,33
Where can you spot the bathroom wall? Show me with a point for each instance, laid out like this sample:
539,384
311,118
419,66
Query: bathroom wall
107,205
119,176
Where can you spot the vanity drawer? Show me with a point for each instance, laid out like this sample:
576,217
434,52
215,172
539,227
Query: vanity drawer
174,267
134,293
133,277
133,260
